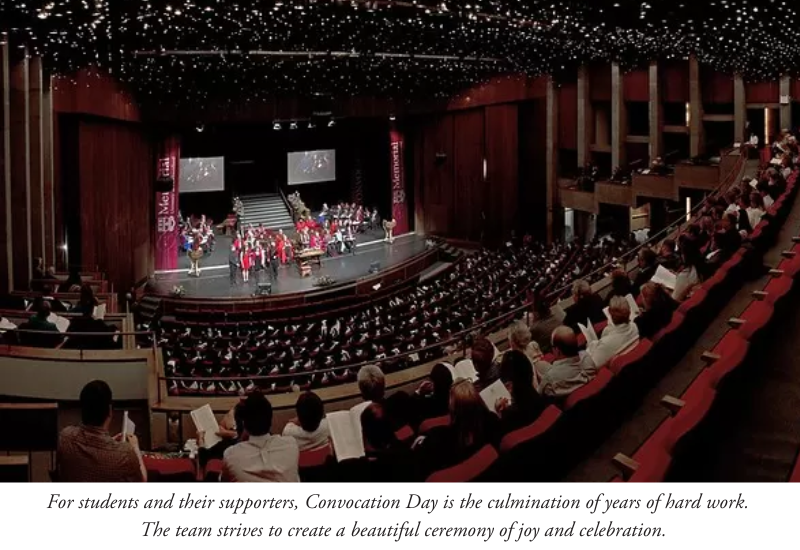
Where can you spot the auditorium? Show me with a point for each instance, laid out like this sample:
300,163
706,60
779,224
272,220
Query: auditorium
393,241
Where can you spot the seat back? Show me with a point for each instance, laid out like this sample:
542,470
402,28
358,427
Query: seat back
468,470
28,427
639,352
436,422
315,457
530,432
589,390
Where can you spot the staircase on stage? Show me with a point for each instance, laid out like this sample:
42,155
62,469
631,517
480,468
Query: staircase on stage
268,209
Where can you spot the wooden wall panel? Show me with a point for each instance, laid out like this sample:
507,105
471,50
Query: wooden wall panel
502,156
636,86
6,227
675,81
437,174
715,87
20,174
568,116
116,171
762,92
600,82
92,92
470,187
532,167
36,123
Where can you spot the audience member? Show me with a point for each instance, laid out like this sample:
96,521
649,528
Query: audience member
648,264
262,457
688,276
657,310
432,398
46,333
587,306
88,453
310,427
571,368
667,257
620,285
620,333
483,353
526,404
88,324
371,385
546,319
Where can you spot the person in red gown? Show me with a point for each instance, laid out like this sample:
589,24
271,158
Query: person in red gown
246,262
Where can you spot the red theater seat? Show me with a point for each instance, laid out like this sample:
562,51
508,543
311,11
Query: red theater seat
776,290
754,319
213,470
469,470
671,328
315,457
637,354
404,434
732,351
431,423
589,390
530,432
170,469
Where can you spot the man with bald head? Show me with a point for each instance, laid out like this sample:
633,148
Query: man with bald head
571,369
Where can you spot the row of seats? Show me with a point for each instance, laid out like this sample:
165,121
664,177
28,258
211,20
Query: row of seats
652,462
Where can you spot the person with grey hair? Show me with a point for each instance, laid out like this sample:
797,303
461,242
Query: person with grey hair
571,368
620,333
519,339
586,305
371,385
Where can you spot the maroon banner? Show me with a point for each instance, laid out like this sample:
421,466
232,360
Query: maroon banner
167,227
399,205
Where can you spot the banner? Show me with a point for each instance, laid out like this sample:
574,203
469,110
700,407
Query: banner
399,205
166,219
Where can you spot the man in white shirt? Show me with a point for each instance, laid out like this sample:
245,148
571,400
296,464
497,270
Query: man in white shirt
262,457
617,336
571,368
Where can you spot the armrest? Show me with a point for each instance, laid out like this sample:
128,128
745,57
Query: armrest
776,272
672,404
735,322
709,357
759,294
796,239
625,464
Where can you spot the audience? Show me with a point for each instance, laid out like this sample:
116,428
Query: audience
571,367
262,457
88,452
587,306
46,333
648,263
526,404
371,385
620,333
483,353
432,398
310,427
688,276
656,312
519,339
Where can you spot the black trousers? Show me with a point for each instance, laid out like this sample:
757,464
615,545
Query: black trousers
273,265
234,270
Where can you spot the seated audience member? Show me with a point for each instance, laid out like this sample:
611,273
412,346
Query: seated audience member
371,386
88,453
55,305
483,353
657,311
571,368
519,339
38,274
262,457
620,333
472,426
432,398
526,405
87,301
41,324
620,285
87,323
385,458
310,428
231,432
73,282
546,319
688,276
648,264
587,305
756,209
667,256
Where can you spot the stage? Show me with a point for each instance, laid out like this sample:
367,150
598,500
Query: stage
214,281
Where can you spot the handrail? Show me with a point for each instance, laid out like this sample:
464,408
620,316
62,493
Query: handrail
663,233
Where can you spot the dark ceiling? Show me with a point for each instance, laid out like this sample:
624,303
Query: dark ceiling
202,50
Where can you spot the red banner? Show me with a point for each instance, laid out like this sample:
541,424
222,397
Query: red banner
399,205
167,227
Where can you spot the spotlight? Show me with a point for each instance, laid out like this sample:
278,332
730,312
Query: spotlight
200,127
311,125
391,117
332,123
293,126
276,126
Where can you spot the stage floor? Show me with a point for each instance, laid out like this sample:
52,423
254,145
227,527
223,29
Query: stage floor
214,281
